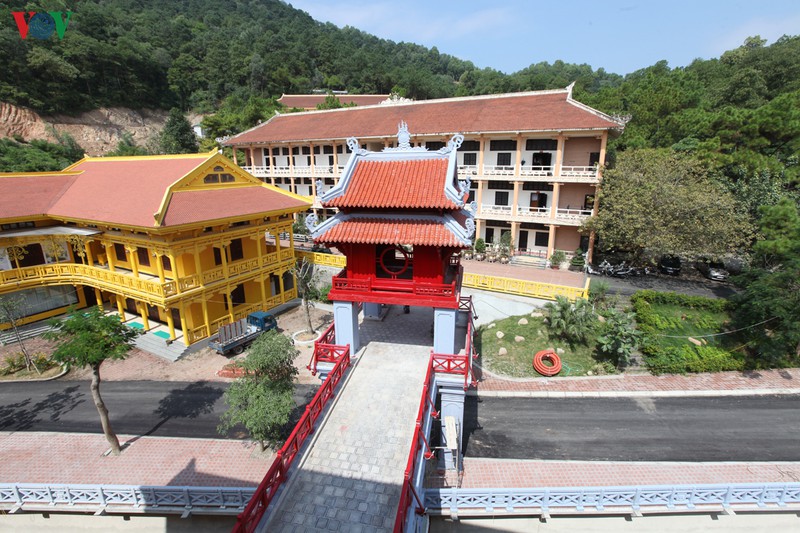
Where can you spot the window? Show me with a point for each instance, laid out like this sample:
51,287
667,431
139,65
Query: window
470,146
594,158
237,295
18,225
501,198
472,196
489,235
536,186
471,159
504,159
166,263
434,145
240,223
226,178
284,151
306,150
217,256
119,251
327,149
497,146
539,145
236,249
211,178
542,239
143,254
500,185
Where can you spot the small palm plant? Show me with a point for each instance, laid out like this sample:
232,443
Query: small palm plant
572,322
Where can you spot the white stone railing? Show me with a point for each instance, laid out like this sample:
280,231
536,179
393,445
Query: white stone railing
123,498
498,170
537,171
666,499
533,213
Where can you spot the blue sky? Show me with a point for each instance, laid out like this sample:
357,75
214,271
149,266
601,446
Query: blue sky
620,36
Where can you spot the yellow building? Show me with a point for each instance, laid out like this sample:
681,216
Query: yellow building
187,241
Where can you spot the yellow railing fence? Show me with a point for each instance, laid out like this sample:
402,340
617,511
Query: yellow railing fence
532,289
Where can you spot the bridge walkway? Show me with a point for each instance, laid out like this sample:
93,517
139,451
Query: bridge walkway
350,478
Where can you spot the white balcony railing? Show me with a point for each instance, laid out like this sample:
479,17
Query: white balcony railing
533,213
496,210
498,170
579,172
468,170
573,215
538,171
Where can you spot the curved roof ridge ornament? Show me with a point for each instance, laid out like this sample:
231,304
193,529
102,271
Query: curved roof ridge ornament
352,143
403,136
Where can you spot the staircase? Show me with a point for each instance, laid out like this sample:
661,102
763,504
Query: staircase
529,261
26,332
158,346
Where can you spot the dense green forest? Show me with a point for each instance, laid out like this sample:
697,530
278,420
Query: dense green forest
732,122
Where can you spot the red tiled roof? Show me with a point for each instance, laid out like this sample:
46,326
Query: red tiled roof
543,111
410,184
391,231
186,207
304,101
122,191
26,196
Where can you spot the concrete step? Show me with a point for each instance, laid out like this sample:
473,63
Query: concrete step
158,346
529,260
26,332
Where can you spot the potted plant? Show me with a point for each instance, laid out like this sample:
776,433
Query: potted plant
577,262
480,249
504,248
556,258
468,253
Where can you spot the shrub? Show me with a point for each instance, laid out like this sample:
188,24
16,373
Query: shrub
577,259
16,362
603,368
480,246
598,292
557,257
572,322
691,358
618,337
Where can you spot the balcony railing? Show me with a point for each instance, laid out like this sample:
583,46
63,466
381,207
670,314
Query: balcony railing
500,210
573,215
125,283
342,283
538,171
533,213
498,170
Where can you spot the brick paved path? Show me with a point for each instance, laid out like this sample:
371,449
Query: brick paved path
33,457
350,480
761,381
507,473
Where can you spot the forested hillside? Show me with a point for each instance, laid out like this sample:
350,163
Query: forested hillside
739,113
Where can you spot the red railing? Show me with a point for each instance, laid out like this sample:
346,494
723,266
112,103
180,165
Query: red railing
446,364
343,283
248,520
409,495
325,350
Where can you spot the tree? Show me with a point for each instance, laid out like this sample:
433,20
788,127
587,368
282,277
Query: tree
306,288
655,203
87,338
262,400
127,147
12,309
768,308
178,137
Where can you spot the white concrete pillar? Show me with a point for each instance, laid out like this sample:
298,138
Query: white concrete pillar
444,330
372,311
345,318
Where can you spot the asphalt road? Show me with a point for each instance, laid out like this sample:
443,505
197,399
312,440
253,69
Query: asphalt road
759,428
164,409
694,286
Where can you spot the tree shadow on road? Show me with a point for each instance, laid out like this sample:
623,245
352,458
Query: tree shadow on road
23,415
189,402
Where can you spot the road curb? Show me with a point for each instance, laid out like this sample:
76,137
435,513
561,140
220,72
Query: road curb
632,394
64,372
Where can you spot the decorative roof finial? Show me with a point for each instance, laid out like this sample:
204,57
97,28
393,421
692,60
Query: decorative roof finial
403,136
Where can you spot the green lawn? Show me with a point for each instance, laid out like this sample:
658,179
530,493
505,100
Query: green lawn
576,360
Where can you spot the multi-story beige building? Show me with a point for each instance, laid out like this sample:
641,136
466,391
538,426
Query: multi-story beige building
534,159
